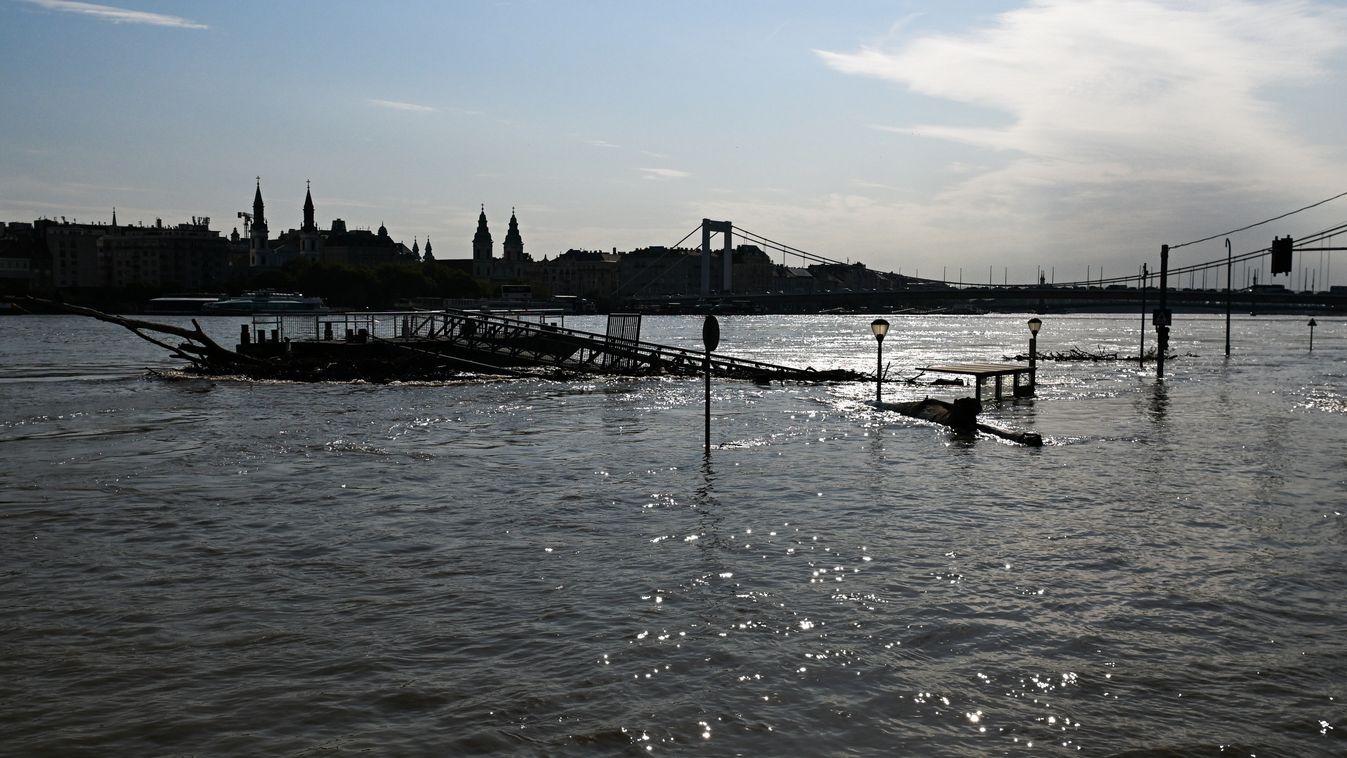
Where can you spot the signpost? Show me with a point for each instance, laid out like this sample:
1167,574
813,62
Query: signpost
710,338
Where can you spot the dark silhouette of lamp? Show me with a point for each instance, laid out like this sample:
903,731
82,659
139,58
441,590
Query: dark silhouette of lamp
1034,325
879,327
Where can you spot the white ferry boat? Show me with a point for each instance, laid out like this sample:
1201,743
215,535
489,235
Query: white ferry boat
253,303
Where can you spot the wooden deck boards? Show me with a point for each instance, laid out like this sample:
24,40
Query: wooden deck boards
980,371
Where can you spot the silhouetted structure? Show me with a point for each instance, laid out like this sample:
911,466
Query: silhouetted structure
355,247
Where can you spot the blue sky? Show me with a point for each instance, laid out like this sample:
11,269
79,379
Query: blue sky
926,136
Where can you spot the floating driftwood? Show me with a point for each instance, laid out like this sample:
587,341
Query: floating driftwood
1076,354
962,416
430,346
917,379
937,382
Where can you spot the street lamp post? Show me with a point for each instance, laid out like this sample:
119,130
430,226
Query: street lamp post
1034,325
879,327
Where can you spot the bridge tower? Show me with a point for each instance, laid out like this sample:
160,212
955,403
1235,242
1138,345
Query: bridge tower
710,227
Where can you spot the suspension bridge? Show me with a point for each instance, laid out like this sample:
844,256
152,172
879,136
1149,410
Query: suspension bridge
1249,277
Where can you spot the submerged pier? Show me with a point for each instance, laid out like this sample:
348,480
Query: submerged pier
434,345
425,344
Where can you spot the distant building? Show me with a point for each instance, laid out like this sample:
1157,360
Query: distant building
361,247
753,269
854,277
587,273
65,255
20,250
186,257
794,280
356,247
661,271
16,268
73,251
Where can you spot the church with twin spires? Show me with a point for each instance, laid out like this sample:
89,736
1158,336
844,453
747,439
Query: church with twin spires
586,273
358,247
514,263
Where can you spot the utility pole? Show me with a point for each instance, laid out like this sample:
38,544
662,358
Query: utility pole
1229,264
1161,319
1141,356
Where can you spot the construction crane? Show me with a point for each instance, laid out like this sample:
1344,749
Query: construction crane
247,221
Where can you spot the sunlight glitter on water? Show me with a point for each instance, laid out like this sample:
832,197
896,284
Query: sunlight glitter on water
548,529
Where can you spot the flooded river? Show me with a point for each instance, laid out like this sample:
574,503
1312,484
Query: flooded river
537,568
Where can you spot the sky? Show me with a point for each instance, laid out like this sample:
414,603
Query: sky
980,140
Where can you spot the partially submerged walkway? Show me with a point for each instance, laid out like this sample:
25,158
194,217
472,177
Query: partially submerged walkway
484,342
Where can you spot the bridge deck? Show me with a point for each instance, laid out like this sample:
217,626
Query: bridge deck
980,371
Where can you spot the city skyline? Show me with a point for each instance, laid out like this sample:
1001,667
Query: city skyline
973,135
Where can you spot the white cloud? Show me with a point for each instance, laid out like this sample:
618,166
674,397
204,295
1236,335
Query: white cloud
599,143
401,106
664,173
118,15
1120,107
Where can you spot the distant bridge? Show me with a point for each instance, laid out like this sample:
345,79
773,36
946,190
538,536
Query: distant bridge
1046,299
897,291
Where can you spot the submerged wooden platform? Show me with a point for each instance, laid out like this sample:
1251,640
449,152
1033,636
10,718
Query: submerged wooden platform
417,344
981,371
961,416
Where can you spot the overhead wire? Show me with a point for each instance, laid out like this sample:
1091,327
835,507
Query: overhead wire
1260,223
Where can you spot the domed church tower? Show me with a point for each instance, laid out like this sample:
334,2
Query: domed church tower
513,248
481,248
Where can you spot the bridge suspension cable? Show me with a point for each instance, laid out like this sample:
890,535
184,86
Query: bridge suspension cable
1260,223
652,276
667,252
784,248
1311,239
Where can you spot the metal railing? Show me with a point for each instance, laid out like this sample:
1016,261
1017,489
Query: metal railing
536,338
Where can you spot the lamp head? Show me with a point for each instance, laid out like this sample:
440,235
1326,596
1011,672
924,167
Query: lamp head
1034,325
879,327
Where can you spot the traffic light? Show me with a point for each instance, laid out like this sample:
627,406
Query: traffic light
1281,254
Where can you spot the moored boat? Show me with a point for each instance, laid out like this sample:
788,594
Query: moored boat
252,303
180,305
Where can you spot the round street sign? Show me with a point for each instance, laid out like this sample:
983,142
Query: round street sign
711,333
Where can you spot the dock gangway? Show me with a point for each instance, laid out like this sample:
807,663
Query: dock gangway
523,340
